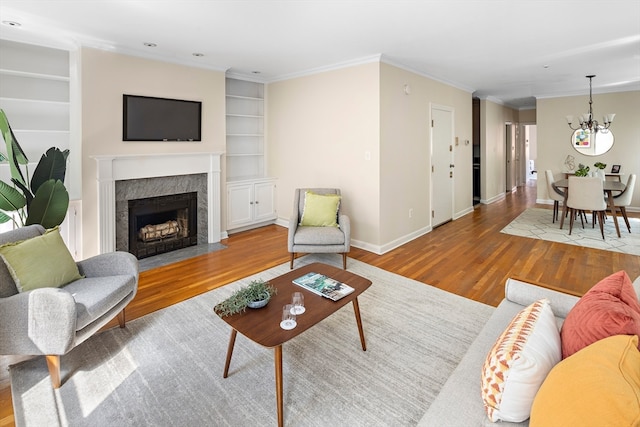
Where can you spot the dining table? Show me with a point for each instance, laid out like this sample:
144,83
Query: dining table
609,187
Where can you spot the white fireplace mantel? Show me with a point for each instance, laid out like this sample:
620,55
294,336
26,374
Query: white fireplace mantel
120,167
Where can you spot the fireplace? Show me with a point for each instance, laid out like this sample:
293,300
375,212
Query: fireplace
162,224
115,170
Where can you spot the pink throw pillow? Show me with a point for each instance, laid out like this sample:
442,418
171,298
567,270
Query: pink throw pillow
609,308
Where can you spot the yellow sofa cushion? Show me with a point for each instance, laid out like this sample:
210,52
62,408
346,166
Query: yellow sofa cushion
597,386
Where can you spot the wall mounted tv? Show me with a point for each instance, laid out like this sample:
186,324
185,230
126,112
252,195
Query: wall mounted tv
146,118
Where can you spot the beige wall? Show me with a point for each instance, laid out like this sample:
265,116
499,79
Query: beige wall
405,160
554,135
526,116
493,119
319,129
355,128
105,77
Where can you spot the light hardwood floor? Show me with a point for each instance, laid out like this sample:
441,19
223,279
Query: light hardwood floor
468,256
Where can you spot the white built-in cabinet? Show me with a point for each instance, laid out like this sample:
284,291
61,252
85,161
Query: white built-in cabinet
250,193
251,202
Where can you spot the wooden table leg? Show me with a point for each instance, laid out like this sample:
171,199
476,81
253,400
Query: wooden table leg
232,341
279,387
564,207
613,211
356,309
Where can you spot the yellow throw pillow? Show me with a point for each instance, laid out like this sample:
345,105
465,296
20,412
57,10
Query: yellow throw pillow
596,386
40,262
320,210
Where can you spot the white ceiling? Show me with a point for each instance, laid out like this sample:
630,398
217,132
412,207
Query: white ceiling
509,51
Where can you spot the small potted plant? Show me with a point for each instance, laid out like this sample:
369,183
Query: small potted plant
600,172
256,295
582,170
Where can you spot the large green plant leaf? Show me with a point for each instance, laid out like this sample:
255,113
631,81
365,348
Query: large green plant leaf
10,198
52,165
15,154
50,204
4,218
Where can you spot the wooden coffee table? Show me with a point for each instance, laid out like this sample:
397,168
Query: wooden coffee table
263,325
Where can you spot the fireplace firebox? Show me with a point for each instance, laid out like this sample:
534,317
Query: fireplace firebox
162,224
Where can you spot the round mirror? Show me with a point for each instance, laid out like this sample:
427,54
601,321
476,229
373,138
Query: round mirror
592,143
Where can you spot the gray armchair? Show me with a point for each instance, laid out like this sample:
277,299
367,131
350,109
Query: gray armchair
52,321
310,239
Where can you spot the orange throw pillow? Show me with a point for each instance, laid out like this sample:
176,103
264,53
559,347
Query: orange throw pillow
597,386
609,308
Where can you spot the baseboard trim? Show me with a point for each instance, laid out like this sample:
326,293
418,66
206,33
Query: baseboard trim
493,199
376,249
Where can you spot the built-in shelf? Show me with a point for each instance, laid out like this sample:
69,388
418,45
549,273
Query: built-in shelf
245,129
35,95
250,193
39,76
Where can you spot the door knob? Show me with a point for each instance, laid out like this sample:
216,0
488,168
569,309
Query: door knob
452,166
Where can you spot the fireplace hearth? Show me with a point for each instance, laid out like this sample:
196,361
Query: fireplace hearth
162,224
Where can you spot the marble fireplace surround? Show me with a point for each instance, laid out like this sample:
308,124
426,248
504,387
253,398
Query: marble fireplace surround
128,167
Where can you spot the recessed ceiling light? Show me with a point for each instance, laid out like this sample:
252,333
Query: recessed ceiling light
12,23
545,66
255,72
197,54
147,44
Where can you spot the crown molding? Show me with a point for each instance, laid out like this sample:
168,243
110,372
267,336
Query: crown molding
397,64
331,67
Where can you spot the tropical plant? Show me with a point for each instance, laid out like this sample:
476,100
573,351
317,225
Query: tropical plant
582,170
43,199
600,165
257,290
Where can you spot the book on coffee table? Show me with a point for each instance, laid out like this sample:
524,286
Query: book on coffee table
323,285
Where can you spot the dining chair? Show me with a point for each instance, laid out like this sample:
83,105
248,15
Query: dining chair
622,200
585,194
554,192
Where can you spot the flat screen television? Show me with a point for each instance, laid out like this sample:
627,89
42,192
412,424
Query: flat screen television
146,118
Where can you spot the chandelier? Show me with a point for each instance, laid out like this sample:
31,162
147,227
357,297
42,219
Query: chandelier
586,120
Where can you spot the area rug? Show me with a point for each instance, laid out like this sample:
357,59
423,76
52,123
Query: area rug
166,368
536,223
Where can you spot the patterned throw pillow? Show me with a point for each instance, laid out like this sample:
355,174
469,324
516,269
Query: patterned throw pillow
609,308
519,361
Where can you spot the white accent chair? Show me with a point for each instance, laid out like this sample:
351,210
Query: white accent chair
622,200
586,194
555,193
53,321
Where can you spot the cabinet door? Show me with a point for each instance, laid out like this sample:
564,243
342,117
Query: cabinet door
265,201
239,205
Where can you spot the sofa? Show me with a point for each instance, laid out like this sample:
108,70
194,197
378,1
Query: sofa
459,403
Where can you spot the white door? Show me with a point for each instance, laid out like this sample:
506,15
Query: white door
442,167
510,152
